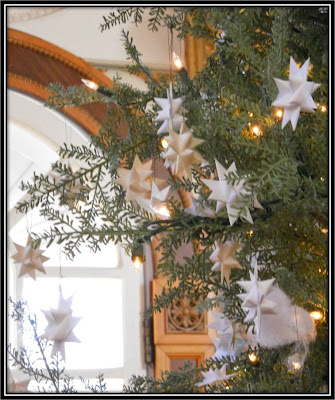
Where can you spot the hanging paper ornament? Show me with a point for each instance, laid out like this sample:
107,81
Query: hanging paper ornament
255,301
14,386
215,375
224,259
60,326
158,196
222,349
197,209
31,259
234,338
295,95
137,180
230,195
171,111
180,153
220,322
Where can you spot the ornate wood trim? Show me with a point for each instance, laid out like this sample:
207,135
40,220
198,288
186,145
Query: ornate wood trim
164,335
33,63
32,88
54,52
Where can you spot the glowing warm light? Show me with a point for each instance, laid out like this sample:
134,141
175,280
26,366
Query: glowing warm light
279,113
138,263
250,232
164,143
323,108
250,114
177,61
324,230
322,179
253,358
163,210
256,130
316,315
90,84
296,365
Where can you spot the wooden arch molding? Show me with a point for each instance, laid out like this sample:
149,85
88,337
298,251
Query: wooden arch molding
33,63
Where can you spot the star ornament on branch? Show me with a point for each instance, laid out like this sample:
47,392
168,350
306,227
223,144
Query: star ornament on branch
31,259
171,113
60,326
14,386
255,301
224,259
197,209
233,196
215,375
295,95
180,152
137,180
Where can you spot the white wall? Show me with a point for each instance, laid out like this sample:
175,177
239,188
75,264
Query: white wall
76,29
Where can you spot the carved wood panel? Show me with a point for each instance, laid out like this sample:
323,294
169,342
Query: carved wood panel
180,334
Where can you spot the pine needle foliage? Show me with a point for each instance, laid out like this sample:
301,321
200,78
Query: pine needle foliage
286,170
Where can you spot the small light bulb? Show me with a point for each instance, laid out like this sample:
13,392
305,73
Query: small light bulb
279,113
324,230
323,108
250,232
322,179
164,143
296,365
90,84
251,114
162,210
138,263
253,358
177,61
316,315
255,129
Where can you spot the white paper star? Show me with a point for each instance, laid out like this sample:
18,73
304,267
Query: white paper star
60,325
230,195
295,95
223,350
215,375
181,153
158,196
233,332
30,259
197,209
171,111
224,259
14,386
220,323
137,180
255,301
234,338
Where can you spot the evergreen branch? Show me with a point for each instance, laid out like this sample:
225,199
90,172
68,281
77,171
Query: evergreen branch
134,55
122,16
100,387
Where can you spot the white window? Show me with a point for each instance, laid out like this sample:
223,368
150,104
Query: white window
107,292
